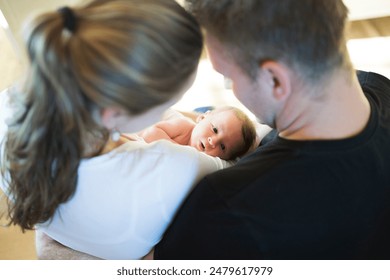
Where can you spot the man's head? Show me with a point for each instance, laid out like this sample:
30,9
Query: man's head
307,35
225,132
274,51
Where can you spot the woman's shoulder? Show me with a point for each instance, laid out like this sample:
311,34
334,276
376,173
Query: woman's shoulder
188,155
177,155
166,148
5,110
162,154
142,151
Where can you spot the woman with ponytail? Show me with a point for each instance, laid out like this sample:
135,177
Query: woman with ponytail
97,71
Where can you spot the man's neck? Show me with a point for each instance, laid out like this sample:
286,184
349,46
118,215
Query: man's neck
339,111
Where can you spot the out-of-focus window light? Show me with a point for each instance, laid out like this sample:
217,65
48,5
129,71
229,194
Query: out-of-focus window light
3,22
371,54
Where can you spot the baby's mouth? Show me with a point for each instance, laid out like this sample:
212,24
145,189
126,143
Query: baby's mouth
202,145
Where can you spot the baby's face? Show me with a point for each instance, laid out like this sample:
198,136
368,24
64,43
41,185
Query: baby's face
218,134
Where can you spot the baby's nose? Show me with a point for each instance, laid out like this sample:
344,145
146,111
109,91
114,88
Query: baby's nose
211,142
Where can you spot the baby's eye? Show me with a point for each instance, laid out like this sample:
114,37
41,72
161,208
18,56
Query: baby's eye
214,129
223,147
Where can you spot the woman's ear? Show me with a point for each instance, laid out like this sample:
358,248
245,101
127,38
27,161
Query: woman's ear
277,76
110,116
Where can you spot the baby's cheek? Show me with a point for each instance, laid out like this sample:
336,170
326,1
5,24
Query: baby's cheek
215,153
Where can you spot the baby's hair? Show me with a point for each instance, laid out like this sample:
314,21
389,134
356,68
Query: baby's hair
248,129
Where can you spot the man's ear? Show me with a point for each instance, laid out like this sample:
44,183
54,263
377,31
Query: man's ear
110,116
278,76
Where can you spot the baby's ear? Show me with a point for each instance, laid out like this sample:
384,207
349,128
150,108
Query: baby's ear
202,116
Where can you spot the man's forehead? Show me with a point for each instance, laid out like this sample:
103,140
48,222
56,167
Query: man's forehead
217,54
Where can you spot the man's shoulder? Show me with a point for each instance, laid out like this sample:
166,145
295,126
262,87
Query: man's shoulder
247,175
366,77
377,89
374,83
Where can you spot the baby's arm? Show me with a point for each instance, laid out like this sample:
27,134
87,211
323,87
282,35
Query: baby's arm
170,130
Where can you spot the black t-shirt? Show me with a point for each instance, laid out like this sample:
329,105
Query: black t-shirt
295,199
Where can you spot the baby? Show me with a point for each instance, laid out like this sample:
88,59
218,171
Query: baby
225,132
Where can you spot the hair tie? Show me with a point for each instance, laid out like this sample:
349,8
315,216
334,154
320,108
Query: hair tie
69,18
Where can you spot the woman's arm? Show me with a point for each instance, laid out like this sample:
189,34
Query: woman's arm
49,249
